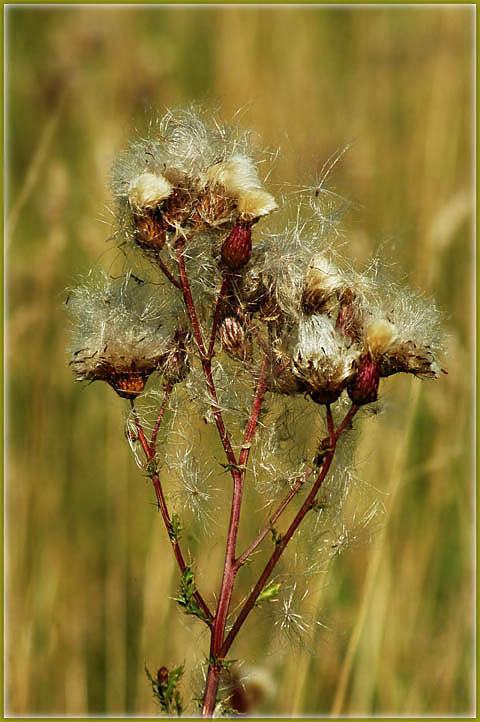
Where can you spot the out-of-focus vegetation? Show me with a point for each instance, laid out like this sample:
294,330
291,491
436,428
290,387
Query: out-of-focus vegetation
90,577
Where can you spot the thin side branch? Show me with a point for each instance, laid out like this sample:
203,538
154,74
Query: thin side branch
275,516
306,506
162,505
206,361
168,392
149,451
254,415
169,274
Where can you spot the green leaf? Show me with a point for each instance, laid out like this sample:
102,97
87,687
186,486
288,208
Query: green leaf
186,598
176,530
165,689
276,536
268,594
151,468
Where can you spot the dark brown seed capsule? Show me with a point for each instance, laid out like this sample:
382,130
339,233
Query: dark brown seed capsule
128,385
149,230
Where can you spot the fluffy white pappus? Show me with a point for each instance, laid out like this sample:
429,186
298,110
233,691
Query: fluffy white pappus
115,322
322,359
294,619
143,156
319,342
403,329
191,143
255,204
195,142
276,273
179,147
416,318
147,190
324,276
380,334
194,492
238,176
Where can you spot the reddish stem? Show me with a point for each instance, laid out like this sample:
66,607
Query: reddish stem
149,451
168,392
306,506
141,435
162,505
169,274
206,361
230,568
267,528
254,414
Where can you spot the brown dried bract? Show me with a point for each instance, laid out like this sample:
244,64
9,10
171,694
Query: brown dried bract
149,230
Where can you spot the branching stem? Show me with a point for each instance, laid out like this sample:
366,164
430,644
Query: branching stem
169,274
206,361
306,506
275,516
231,568
219,644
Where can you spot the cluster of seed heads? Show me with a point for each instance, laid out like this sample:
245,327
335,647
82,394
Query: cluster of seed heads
191,218
328,329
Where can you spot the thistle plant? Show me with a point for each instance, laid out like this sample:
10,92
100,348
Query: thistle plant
267,336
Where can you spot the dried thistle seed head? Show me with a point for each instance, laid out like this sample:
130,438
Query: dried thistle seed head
349,319
404,335
322,282
409,358
117,333
281,378
149,230
179,207
213,210
147,191
238,177
235,339
322,360
201,173
128,385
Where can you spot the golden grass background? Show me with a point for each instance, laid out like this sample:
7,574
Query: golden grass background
89,574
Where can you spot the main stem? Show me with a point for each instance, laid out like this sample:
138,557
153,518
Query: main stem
231,565
219,645
238,475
